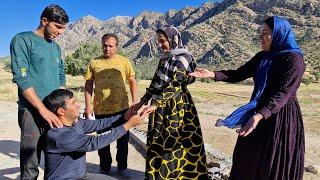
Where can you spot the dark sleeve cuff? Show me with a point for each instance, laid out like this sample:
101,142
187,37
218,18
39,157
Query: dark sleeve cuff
266,113
119,121
145,99
218,76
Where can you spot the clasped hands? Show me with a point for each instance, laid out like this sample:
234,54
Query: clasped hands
140,109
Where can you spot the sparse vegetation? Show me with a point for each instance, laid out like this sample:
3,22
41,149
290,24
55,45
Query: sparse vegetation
306,80
76,63
146,67
6,63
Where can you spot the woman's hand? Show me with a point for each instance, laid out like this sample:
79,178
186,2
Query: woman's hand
251,125
149,109
202,73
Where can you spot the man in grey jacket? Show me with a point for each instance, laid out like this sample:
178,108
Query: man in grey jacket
66,147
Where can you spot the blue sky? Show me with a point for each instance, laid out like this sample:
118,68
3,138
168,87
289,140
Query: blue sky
23,15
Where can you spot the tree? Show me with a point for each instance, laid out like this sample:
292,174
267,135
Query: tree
146,67
76,63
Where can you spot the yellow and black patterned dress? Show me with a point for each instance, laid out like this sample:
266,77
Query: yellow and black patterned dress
175,148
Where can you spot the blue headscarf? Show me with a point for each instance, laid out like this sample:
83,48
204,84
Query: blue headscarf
283,38
283,41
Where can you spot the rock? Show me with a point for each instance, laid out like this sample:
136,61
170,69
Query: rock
219,165
121,19
149,49
315,169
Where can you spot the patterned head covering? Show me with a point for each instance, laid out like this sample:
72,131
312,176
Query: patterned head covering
174,37
175,42
175,60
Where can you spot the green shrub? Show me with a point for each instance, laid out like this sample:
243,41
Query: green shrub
76,63
307,80
316,75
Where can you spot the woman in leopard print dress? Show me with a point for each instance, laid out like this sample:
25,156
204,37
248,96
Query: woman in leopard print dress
175,148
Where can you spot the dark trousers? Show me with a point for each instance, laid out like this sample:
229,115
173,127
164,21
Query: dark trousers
122,148
33,128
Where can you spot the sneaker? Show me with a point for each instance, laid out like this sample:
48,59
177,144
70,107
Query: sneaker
125,174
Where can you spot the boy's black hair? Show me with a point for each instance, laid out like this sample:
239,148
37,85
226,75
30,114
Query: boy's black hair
56,14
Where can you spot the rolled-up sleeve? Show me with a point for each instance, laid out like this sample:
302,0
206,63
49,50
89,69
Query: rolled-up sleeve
20,60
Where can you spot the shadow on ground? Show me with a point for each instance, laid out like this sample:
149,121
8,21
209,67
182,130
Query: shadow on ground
5,172
136,175
9,148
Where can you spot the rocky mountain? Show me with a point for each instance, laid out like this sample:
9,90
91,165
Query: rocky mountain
222,34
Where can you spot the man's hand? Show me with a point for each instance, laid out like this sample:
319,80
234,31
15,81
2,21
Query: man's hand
135,120
202,73
47,115
51,118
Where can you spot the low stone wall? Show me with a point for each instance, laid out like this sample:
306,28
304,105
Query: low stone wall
138,139
219,164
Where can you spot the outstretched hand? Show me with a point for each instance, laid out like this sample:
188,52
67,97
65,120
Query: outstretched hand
134,120
146,112
133,112
202,73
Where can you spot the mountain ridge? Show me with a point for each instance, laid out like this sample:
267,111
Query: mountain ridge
221,34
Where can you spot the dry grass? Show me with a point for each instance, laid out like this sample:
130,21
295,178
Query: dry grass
216,98
8,90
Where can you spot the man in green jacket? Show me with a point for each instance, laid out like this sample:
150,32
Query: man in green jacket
37,69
